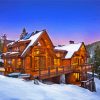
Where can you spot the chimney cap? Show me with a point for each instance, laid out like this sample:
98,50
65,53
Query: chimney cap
71,42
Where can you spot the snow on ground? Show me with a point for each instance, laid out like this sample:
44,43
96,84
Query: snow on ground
18,89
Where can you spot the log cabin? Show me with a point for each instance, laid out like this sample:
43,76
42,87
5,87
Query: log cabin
35,54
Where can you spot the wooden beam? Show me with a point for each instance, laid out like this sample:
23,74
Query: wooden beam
23,65
49,71
46,59
15,63
56,70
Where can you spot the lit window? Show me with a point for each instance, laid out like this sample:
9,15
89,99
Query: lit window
57,62
27,62
58,54
19,63
13,62
36,51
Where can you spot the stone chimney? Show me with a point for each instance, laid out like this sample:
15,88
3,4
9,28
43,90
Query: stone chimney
71,42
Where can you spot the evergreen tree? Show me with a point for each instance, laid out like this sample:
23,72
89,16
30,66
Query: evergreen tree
23,34
1,49
1,46
97,60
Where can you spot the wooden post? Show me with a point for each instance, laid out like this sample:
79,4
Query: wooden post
81,68
46,59
63,68
56,70
23,65
39,72
70,68
15,64
85,68
31,64
49,71
32,59
86,72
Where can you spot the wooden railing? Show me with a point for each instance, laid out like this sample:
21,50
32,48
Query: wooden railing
54,72
85,67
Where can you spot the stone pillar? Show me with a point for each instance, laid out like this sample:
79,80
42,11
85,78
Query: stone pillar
66,78
62,78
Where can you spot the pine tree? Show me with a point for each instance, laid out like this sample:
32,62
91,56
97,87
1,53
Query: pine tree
24,30
1,49
23,34
1,46
97,60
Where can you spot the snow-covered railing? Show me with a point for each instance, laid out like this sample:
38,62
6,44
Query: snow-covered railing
89,84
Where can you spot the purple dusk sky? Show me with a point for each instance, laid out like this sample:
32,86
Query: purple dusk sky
64,20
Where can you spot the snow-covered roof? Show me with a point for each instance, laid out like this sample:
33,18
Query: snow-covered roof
33,39
11,43
71,49
22,40
9,53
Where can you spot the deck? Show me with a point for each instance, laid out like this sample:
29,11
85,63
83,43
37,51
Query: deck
45,74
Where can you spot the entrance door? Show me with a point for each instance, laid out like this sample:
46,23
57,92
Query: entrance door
39,62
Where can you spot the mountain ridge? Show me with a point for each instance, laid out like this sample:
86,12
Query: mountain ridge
91,48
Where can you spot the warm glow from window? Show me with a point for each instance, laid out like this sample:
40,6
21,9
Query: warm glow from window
13,62
58,54
75,61
19,63
36,51
76,75
49,61
5,61
21,48
27,62
57,62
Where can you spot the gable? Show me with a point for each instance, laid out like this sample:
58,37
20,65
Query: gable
83,47
40,38
83,50
44,40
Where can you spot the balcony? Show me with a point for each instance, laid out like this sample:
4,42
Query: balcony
44,74
82,68
57,71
